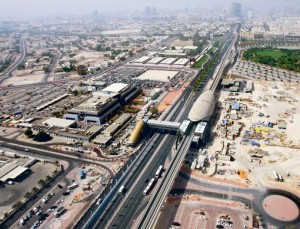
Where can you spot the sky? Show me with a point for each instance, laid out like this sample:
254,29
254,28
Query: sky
17,9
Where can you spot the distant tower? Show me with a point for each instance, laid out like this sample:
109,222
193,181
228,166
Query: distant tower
95,16
236,9
147,11
154,12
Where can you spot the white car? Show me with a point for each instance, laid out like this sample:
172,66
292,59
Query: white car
99,201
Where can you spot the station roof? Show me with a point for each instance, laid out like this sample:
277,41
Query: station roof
14,173
203,107
7,168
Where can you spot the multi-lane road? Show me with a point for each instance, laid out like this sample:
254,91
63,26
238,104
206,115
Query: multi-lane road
15,64
110,214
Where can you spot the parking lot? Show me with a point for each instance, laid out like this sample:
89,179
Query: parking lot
199,214
10,194
62,196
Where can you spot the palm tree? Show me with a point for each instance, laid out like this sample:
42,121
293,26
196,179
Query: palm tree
41,182
28,195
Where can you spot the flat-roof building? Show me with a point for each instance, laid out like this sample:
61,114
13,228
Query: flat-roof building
83,135
142,60
59,122
116,125
14,174
103,104
182,61
169,61
155,60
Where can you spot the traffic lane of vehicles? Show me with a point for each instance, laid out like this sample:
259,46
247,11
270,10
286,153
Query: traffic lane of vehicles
54,201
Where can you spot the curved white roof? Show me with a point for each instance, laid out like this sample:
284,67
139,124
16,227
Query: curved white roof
203,107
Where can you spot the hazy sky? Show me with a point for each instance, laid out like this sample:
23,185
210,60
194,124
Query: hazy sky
10,9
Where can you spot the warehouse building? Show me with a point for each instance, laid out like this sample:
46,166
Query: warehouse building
82,135
103,104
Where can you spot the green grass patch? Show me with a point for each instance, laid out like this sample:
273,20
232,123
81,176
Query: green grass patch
202,61
272,53
281,58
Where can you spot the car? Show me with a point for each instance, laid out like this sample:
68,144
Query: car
39,213
29,215
50,210
45,200
10,182
22,222
53,207
60,186
52,193
99,201
60,201
27,150
220,226
66,193
176,224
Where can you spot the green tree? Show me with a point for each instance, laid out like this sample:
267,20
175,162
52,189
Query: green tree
34,189
42,137
48,178
81,70
28,132
41,182
46,68
28,195
17,204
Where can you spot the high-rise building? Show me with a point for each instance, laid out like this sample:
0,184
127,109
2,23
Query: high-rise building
147,11
95,16
236,9
153,12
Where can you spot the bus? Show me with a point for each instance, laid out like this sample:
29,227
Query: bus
73,186
149,186
59,212
275,175
158,172
121,190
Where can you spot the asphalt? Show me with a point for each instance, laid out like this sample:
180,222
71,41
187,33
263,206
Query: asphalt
36,199
50,153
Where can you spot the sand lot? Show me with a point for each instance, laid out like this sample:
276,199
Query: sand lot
157,75
37,77
274,102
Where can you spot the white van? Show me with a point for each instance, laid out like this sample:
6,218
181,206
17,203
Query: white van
121,190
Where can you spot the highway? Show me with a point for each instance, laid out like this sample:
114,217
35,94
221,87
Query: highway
23,50
152,210
123,217
46,151
163,150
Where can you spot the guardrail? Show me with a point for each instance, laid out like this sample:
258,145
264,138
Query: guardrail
157,199
115,189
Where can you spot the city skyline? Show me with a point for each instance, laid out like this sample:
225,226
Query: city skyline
17,9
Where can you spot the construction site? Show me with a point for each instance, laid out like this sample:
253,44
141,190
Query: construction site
255,141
